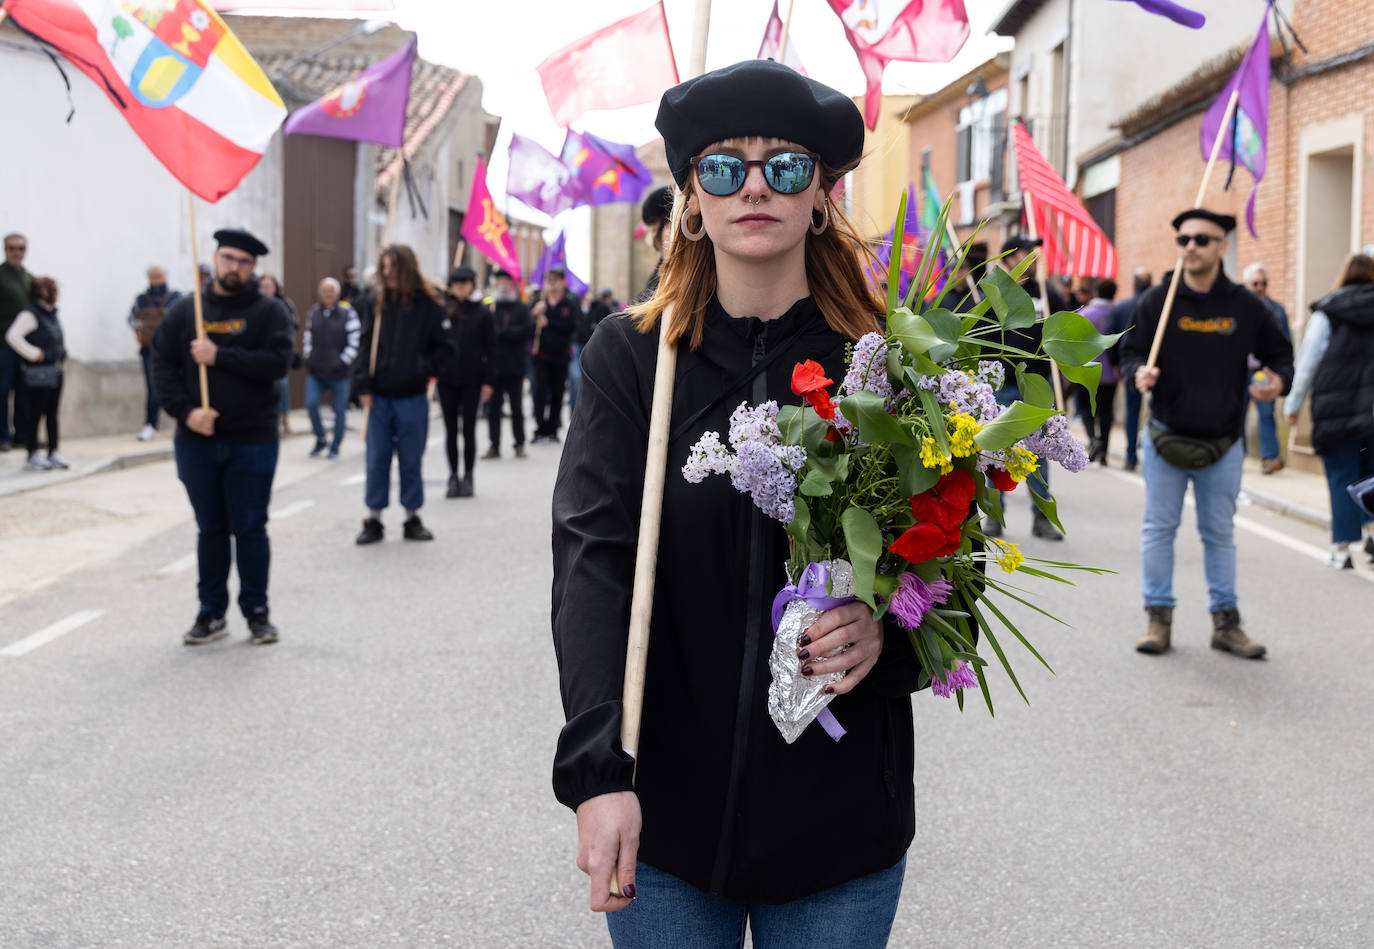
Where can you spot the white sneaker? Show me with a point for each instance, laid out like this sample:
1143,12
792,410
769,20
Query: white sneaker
37,462
55,460
147,434
1339,558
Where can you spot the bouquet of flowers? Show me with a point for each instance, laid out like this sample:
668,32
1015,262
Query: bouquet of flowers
880,487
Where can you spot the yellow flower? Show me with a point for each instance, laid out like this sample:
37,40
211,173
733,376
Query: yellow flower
961,443
1021,463
1009,556
932,457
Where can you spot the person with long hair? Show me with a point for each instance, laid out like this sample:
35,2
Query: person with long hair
270,286
1336,367
412,347
762,271
36,336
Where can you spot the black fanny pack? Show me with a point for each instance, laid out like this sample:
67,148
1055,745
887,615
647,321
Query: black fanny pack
1185,451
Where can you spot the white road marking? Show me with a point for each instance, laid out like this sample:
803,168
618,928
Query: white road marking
291,510
177,566
48,634
351,480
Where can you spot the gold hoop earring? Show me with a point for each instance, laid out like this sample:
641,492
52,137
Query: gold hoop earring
825,220
696,235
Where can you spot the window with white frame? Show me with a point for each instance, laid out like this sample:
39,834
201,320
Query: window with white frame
980,134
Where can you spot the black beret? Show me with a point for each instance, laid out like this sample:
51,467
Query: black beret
1020,243
757,97
459,274
498,273
1227,222
240,239
658,206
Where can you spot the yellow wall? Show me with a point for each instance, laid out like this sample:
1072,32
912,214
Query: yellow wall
885,170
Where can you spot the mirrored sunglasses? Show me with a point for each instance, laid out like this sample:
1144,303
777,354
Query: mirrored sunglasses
785,172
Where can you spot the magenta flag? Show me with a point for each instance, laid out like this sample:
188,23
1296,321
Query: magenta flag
540,179
485,227
370,107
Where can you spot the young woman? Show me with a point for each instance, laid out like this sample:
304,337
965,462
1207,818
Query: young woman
270,286
36,335
724,822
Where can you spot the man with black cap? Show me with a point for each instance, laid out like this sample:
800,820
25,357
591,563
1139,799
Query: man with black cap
464,384
555,320
1197,411
227,454
656,212
514,330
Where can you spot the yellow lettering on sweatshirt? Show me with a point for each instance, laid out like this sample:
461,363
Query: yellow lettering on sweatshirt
1223,325
224,327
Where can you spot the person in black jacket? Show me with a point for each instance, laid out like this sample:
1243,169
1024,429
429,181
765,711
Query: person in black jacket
36,336
226,454
555,320
1123,321
464,386
514,330
758,280
1197,412
332,333
412,348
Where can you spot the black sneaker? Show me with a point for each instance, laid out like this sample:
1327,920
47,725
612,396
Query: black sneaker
414,530
260,628
206,629
454,487
1043,527
372,531
1369,548
318,450
465,487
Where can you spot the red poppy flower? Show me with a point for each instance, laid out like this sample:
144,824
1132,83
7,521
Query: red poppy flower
807,377
947,503
926,541
820,401
831,435
1001,480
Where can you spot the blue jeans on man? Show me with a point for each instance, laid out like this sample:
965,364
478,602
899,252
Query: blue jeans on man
1268,429
396,427
9,382
1215,489
150,406
315,388
1133,400
229,487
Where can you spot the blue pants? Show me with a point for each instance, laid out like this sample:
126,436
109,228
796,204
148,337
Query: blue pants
1268,429
150,407
1133,399
1344,465
230,487
574,377
399,427
9,382
1214,490
670,912
284,395
315,388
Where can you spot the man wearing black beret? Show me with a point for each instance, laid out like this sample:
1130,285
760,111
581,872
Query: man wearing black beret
1197,412
226,454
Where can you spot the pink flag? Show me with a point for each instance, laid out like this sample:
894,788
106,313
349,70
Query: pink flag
485,227
629,62
370,107
772,37
920,31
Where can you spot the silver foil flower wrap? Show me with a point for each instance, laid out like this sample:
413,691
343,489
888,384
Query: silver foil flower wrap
795,700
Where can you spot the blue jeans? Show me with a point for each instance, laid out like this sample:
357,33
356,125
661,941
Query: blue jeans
9,382
230,487
574,377
150,407
1214,489
1133,399
670,912
1345,465
399,427
315,388
1268,429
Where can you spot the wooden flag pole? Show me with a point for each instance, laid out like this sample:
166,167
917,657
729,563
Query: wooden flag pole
196,296
786,29
968,277
1044,299
458,254
1197,203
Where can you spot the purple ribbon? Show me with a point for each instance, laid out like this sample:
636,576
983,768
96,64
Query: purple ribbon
814,588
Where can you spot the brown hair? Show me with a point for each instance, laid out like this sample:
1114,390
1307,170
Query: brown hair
43,290
836,262
409,279
1358,268
280,294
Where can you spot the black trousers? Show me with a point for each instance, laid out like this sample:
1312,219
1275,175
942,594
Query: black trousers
550,381
507,388
45,403
454,399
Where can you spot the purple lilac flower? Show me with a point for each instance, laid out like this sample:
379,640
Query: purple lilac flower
1055,442
961,676
868,367
915,598
754,424
767,479
707,457
964,393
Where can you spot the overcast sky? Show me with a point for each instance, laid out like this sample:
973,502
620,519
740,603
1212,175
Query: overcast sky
503,41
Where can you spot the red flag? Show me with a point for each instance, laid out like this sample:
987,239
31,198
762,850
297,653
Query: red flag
920,31
626,63
485,227
772,40
1074,244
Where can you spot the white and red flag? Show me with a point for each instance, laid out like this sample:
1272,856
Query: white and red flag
772,39
1073,243
626,63
921,31
184,82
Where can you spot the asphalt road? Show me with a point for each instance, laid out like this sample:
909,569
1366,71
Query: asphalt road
381,776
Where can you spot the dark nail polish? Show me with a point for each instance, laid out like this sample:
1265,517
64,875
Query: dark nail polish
806,670
829,690
805,640
629,891
804,654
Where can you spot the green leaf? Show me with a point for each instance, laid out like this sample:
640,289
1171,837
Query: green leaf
894,263
996,646
1014,307
1018,421
865,544
948,328
800,425
865,409
799,525
1011,627
1049,507
816,485
937,420
915,477
1088,377
1035,389
913,332
990,500
1070,339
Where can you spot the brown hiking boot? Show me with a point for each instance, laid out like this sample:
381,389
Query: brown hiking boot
1227,635
520,451
1155,639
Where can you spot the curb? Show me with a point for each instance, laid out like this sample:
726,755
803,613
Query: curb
133,459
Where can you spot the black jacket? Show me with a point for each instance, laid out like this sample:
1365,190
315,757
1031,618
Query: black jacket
1203,373
555,339
253,333
412,347
1343,387
47,336
727,804
514,330
473,336
597,311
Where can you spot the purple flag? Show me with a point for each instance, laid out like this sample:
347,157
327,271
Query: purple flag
1178,13
610,171
1246,136
370,107
538,178
555,255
